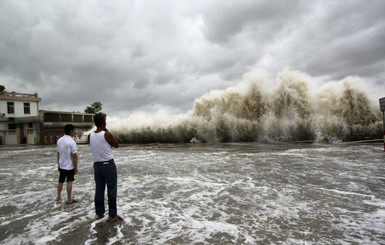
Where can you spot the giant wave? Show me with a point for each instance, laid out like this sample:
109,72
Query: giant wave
251,112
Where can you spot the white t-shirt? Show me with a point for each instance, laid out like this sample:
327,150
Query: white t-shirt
101,150
66,146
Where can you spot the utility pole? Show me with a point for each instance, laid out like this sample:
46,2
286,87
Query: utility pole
382,108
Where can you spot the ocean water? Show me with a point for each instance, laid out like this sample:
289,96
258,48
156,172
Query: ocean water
235,193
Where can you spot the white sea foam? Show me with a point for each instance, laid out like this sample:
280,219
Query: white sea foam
209,194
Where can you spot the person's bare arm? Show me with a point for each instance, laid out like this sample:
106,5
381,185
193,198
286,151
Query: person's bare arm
110,139
75,159
58,163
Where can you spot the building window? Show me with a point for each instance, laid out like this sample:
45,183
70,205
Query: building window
30,125
27,109
11,107
11,126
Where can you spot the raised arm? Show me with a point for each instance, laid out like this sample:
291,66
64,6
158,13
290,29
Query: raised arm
110,139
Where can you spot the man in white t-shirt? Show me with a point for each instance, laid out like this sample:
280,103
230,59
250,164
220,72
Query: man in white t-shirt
67,160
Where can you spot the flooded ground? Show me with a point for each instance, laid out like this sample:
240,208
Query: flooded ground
242,193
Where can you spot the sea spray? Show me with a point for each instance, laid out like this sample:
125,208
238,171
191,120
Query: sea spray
253,113
243,193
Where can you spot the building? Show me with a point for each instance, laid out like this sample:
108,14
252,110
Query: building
19,118
21,121
52,125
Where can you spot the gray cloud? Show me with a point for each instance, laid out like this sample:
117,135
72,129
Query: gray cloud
262,19
142,55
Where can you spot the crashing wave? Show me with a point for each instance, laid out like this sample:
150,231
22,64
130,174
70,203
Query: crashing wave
288,112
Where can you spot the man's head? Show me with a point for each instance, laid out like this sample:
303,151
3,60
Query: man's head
68,128
99,119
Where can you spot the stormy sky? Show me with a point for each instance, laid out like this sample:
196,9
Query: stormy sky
161,55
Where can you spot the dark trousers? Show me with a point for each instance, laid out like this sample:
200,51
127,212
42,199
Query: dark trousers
105,174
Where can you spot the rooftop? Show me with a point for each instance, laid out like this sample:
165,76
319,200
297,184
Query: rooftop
19,96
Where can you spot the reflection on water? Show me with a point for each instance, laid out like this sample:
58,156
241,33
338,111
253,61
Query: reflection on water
202,194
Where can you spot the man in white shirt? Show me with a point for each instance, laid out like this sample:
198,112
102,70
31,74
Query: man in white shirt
105,173
67,160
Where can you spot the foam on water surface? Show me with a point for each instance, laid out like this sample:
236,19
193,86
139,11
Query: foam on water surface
202,194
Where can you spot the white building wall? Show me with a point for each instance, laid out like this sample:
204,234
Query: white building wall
19,109
21,121
34,109
3,107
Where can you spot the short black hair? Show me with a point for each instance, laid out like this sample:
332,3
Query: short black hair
68,128
99,119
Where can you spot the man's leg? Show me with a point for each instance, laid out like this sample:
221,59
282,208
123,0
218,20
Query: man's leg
70,178
69,192
99,191
112,190
59,189
60,184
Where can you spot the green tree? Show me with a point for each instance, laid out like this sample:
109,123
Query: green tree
2,88
94,108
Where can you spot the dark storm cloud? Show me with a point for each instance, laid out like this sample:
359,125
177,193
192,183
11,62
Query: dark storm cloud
345,39
264,19
142,55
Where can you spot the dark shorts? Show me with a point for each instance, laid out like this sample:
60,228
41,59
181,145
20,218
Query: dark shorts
66,173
